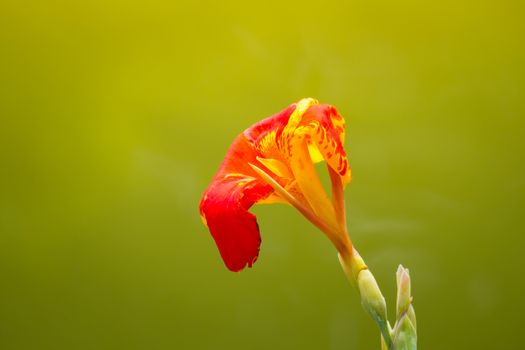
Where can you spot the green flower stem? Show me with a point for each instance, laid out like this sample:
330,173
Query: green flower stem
403,336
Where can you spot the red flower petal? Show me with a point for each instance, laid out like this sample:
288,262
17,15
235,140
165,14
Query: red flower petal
225,211
234,189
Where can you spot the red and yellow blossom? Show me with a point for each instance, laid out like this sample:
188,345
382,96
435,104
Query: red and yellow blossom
273,161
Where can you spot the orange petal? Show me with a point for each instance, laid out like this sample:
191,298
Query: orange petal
326,129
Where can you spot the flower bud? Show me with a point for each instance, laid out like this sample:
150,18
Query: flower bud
404,297
371,297
404,334
373,301
405,337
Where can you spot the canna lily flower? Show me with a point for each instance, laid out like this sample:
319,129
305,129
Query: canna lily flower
273,162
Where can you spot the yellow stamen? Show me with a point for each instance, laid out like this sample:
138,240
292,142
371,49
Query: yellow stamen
339,238
276,166
309,182
306,211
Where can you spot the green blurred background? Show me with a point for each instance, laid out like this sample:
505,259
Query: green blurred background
115,116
